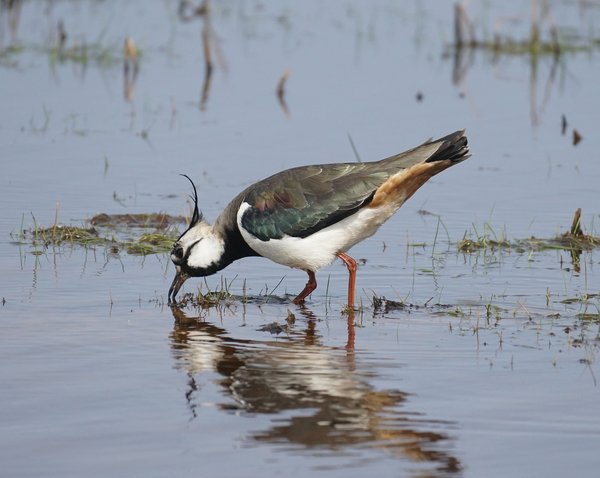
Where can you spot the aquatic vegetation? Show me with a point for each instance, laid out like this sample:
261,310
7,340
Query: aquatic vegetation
69,46
545,37
153,243
207,298
590,317
147,234
114,232
64,234
574,240
154,220
97,53
584,298
565,242
8,54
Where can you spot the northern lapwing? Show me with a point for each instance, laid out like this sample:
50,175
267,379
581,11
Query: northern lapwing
307,216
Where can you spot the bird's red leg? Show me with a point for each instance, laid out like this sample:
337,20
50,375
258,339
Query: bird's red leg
351,265
308,288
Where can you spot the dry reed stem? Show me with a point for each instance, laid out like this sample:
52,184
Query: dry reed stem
281,91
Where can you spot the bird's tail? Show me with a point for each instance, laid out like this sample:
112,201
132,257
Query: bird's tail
416,166
453,147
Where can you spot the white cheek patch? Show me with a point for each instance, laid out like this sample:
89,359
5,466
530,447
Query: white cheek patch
199,231
208,250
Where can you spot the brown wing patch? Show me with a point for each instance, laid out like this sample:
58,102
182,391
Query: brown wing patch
399,187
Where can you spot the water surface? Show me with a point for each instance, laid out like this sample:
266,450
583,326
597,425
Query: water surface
488,369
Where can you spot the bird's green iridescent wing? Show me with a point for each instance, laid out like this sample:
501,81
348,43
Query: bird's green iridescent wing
300,201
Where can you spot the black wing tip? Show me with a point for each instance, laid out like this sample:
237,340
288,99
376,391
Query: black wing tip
453,147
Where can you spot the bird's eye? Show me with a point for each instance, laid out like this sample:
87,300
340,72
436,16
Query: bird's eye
177,253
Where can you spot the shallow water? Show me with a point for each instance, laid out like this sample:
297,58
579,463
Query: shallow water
488,369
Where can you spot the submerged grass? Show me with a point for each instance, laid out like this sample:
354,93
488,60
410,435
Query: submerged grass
97,53
206,300
114,232
545,37
589,317
152,243
65,234
146,234
566,242
210,298
72,47
8,55
153,220
575,240
584,298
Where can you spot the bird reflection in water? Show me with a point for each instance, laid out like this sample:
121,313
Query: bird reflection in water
335,403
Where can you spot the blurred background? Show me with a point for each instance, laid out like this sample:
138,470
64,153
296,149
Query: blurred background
198,95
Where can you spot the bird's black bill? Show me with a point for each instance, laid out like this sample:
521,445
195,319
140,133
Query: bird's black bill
178,281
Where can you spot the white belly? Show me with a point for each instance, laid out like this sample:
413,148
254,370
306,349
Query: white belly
319,249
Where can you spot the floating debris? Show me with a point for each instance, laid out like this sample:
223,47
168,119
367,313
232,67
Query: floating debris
383,305
187,12
273,328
